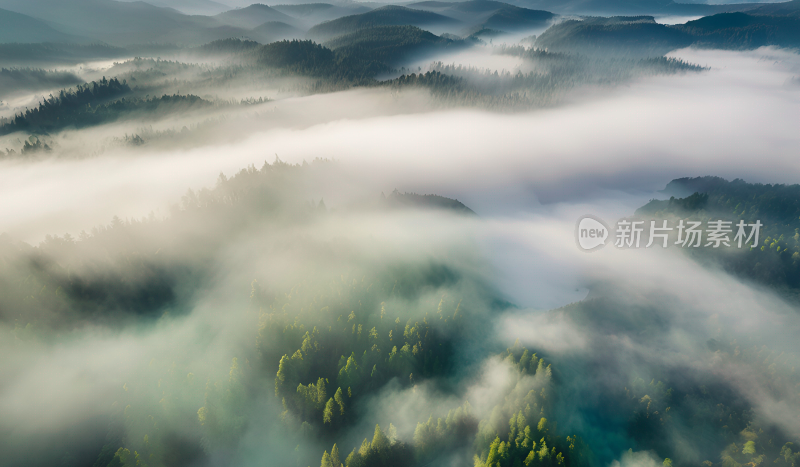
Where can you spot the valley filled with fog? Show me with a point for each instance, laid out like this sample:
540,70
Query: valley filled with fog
252,235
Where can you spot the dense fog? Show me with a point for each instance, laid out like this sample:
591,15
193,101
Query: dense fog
253,238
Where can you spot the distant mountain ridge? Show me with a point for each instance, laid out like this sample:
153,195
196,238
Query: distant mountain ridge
385,16
118,23
125,23
489,14
391,45
512,18
312,9
17,27
253,16
643,36
190,7
311,14
791,8
274,31
632,7
621,35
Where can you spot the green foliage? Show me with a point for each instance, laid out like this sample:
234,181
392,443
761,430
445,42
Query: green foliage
380,452
443,434
750,448
653,406
518,432
339,349
319,348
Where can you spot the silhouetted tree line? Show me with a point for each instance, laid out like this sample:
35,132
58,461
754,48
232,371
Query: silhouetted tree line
60,110
93,104
357,59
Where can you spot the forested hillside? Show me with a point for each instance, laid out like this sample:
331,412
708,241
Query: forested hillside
392,45
651,404
638,36
94,104
356,47
698,387
320,349
384,16
326,347
353,60
775,259
643,36
15,27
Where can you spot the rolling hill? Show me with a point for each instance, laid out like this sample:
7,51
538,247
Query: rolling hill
274,31
409,200
321,11
121,23
489,14
476,6
430,5
774,261
127,23
632,7
390,45
190,7
512,18
745,31
385,16
310,14
642,36
621,35
252,16
16,27
791,8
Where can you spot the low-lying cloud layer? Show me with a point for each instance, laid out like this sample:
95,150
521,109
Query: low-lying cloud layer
735,120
